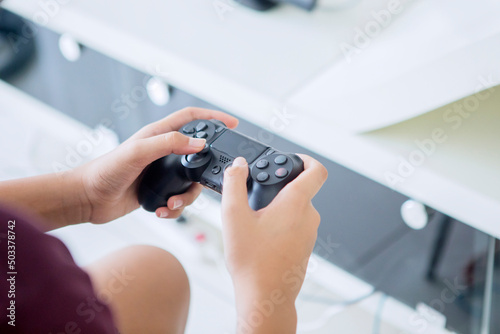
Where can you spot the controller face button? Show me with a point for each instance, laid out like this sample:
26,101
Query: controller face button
281,172
216,169
280,160
262,177
188,129
262,164
201,126
201,134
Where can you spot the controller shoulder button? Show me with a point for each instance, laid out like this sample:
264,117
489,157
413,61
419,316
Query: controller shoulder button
270,152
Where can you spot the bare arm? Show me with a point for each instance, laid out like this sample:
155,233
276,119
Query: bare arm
105,188
55,197
267,251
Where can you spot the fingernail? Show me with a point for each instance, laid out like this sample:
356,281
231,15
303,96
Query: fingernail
177,204
163,214
197,142
239,161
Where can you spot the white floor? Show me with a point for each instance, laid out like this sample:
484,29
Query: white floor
33,137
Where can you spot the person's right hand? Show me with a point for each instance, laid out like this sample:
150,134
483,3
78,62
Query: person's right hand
267,251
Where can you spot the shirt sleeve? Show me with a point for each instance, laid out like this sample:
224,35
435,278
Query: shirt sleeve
42,290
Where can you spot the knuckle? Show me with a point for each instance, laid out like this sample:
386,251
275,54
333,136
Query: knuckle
134,150
187,109
314,219
323,172
173,138
233,172
151,129
228,173
319,169
191,111
305,156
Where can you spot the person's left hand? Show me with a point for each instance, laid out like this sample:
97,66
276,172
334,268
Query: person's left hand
110,182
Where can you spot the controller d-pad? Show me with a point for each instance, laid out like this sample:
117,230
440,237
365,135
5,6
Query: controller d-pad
201,126
281,172
188,129
262,177
201,134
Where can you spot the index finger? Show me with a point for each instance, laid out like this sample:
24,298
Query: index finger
176,120
309,182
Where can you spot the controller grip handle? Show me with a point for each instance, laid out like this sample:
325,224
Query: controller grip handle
161,180
260,197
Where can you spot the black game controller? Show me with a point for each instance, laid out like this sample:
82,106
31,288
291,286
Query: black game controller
171,175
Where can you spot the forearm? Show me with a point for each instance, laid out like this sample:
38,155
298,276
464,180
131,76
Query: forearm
57,198
265,310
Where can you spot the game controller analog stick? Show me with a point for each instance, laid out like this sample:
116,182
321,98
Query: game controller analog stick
269,169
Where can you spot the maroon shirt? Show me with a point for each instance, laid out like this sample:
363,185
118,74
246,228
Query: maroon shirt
42,290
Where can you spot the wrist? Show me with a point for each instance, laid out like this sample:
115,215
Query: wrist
265,307
262,282
270,312
75,203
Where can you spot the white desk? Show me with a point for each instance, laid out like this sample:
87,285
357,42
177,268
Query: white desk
221,61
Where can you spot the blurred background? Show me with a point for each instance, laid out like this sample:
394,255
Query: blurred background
398,99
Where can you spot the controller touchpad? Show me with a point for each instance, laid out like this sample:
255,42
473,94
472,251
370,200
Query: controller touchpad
236,145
